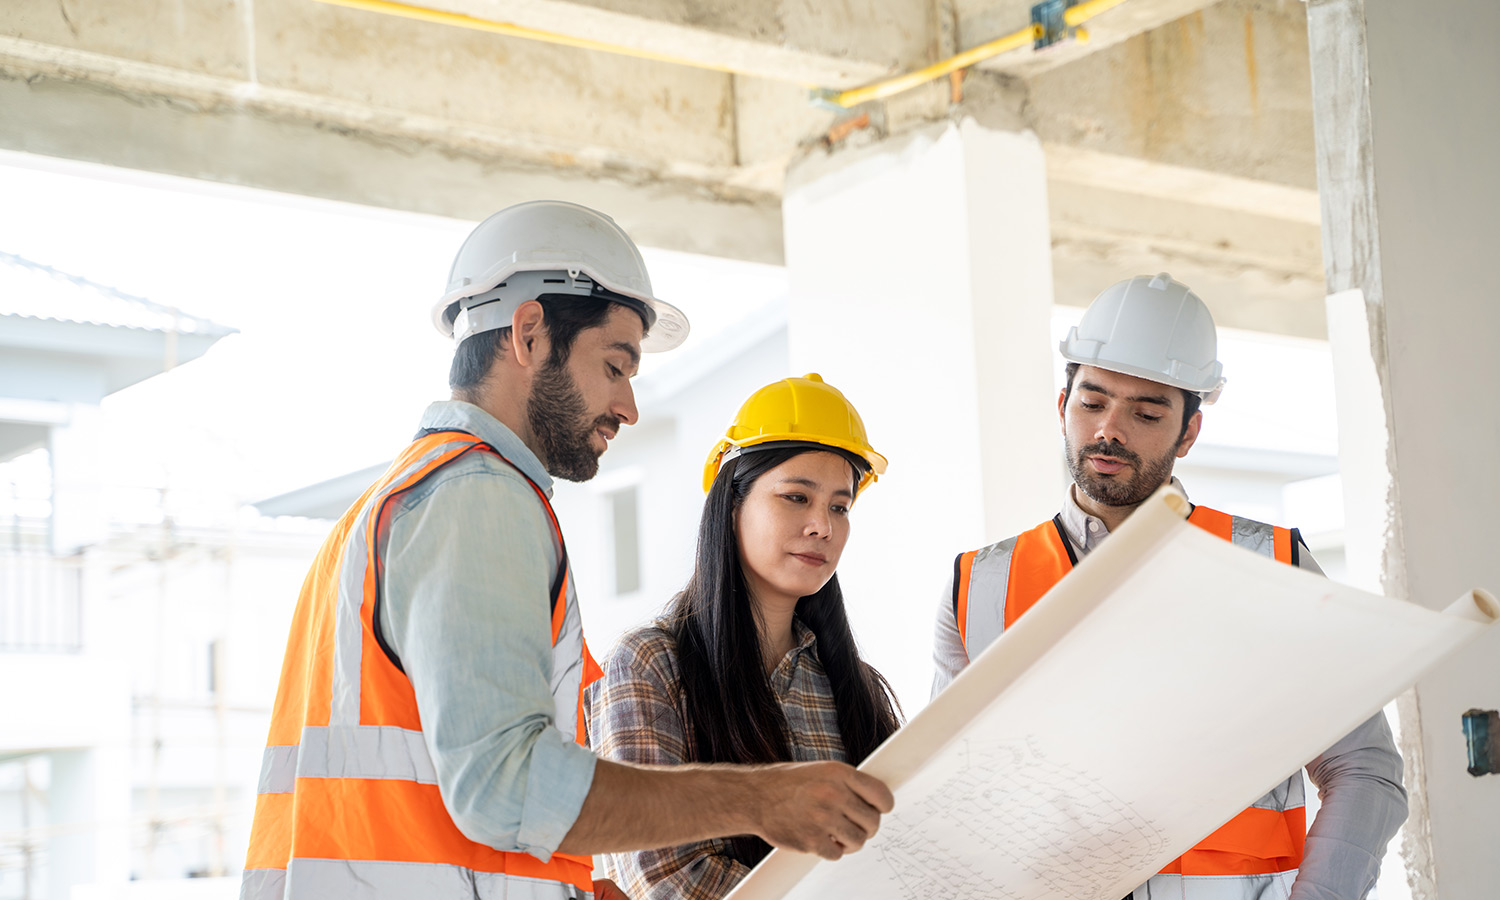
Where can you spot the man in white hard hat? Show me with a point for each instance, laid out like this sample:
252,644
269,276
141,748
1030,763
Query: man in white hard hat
425,740
1140,363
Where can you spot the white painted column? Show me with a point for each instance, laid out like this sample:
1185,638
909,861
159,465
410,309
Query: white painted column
1405,98
921,282
78,461
88,805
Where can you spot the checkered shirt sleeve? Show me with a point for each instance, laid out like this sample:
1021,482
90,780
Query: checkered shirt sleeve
636,714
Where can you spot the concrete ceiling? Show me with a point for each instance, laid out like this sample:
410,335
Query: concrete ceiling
1179,135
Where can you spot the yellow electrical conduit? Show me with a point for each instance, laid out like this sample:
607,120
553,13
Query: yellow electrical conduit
1073,16
422,14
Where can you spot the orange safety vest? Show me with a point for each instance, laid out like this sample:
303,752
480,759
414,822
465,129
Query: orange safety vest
348,798
1264,840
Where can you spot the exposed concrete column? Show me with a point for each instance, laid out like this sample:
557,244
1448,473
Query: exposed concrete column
922,287
89,803
77,459
1403,97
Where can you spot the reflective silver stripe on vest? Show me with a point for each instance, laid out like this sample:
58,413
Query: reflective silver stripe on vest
348,633
365,751
567,665
347,751
988,578
1290,794
263,884
1276,886
1252,535
340,879
278,770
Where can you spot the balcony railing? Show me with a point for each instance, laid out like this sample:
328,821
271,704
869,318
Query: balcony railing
41,603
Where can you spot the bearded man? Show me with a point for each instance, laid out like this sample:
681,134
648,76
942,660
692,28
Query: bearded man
1140,363
425,741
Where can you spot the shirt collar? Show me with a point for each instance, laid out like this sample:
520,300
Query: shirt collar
463,416
1084,530
781,676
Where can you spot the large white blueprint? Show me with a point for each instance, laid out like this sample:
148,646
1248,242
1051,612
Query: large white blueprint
1164,685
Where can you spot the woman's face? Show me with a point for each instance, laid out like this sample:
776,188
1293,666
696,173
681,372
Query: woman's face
792,525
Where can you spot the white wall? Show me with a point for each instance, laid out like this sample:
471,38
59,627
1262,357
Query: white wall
1434,97
1406,98
922,289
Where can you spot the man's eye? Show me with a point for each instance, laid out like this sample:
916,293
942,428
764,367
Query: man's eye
614,371
1087,405
1150,418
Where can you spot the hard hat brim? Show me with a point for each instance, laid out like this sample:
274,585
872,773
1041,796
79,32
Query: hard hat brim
1210,393
875,462
667,332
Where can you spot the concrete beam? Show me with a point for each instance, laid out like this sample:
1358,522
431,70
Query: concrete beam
813,44
317,61
1251,249
1228,90
77,104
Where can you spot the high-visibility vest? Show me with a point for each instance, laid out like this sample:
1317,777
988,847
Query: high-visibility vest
1260,845
348,803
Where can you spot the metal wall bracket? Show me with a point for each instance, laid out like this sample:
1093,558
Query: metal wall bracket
1482,737
1049,15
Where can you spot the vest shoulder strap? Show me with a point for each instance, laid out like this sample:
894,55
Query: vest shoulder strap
1281,544
1042,557
461,444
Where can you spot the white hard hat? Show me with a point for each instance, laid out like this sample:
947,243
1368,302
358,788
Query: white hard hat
549,247
1153,328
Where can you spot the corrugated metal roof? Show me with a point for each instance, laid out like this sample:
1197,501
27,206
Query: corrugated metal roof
36,291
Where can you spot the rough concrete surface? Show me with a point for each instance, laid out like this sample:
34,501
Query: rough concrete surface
1226,89
205,36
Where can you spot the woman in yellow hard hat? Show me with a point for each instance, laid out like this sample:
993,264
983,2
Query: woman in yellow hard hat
753,662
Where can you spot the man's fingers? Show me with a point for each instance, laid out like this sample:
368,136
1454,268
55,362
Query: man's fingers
863,815
830,848
850,834
873,791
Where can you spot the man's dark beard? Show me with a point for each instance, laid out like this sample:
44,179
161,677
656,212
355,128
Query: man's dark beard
1111,490
555,412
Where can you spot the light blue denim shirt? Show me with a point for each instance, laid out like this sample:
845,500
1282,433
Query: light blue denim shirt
466,607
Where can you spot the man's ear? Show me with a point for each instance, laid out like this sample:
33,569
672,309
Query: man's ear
528,334
1062,403
1191,435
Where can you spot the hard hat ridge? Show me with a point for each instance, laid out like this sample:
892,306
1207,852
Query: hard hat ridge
1154,328
798,411
549,247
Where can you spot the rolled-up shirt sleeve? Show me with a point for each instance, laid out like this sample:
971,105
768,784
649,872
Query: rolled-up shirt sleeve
1363,806
466,608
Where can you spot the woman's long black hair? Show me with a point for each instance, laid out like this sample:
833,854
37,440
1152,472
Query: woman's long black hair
731,712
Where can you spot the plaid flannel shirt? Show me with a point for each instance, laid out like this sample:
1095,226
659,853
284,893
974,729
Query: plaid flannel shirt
636,713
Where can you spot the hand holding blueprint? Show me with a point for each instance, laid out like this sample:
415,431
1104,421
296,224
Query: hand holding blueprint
1117,723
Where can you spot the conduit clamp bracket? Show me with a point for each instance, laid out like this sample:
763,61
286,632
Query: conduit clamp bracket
1049,15
825,98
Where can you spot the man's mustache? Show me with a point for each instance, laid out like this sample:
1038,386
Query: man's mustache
1108,448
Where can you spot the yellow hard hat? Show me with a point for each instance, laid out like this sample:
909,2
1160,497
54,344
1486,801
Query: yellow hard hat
801,410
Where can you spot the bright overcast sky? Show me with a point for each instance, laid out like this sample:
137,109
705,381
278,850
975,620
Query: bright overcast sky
336,356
